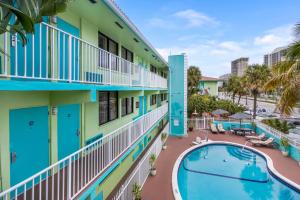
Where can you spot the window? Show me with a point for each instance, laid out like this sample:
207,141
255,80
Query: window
127,106
161,97
127,55
153,69
108,107
165,96
111,46
153,99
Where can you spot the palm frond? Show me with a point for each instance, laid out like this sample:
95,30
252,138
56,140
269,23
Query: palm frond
293,52
25,20
289,98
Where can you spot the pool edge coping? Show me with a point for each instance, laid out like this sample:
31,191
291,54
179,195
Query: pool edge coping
269,161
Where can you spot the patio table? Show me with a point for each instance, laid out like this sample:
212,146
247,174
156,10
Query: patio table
244,131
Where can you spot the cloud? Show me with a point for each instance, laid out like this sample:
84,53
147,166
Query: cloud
195,18
275,37
182,19
161,23
269,39
214,56
230,45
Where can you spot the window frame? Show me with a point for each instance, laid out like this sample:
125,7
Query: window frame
109,106
128,111
126,54
153,99
108,40
153,69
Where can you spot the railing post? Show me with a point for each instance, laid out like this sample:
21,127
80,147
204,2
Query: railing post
5,56
69,183
142,76
129,135
70,58
52,54
130,77
109,63
109,149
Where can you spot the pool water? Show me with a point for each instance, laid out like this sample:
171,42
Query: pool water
223,171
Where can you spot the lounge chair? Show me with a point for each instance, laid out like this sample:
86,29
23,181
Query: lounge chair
255,137
213,128
266,143
221,129
197,141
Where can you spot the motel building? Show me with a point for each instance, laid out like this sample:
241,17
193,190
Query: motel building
82,106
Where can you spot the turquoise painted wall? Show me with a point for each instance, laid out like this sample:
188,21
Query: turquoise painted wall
177,95
293,151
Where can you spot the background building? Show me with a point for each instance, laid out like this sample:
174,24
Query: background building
225,76
275,57
208,86
239,66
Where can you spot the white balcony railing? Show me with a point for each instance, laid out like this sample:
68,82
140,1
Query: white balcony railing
140,173
55,55
67,178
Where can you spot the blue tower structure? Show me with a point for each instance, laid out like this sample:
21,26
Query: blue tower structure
178,94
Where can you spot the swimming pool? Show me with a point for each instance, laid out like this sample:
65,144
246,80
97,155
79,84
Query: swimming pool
218,170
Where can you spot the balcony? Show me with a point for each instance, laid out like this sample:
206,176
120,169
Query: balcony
67,178
54,55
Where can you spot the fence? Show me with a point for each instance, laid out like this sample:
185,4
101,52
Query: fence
140,173
277,134
200,123
55,55
71,175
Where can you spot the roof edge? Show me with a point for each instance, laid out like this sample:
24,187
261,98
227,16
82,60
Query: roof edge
113,5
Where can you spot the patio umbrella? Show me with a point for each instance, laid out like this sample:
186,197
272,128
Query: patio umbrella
240,116
219,112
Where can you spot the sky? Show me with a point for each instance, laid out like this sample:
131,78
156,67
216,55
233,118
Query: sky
215,32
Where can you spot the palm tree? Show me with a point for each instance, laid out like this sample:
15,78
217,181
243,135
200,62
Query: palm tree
233,86
286,77
256,76
242,89
27,13
194,77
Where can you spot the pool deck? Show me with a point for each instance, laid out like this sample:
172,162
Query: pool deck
159,187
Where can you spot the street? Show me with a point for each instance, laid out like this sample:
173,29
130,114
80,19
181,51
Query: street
270,107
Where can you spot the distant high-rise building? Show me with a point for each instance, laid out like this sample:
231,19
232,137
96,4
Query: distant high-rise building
224,77
275,57
239,66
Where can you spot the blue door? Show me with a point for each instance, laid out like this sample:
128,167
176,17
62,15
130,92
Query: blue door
64,48
29,142
145,104
35,50
68,129
141,104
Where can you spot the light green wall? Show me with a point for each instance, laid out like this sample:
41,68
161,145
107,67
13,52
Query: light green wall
91,22
91,119
18,100
14,100
213,85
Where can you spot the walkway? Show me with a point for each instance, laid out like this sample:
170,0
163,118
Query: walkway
160,186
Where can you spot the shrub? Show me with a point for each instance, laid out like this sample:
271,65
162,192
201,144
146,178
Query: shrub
284,142
279,125
205,103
